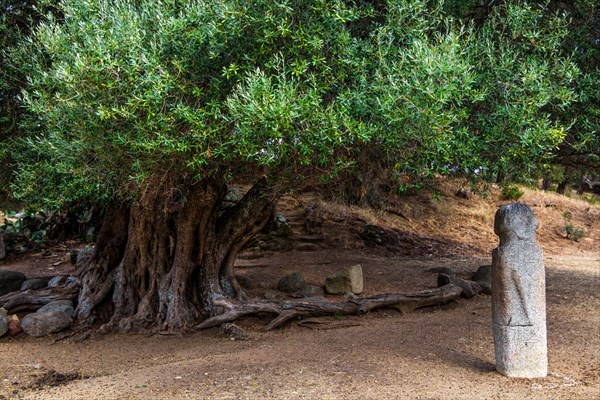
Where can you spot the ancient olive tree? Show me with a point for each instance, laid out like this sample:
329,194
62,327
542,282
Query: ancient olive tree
153,108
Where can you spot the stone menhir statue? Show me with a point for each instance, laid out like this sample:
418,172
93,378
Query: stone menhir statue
518,295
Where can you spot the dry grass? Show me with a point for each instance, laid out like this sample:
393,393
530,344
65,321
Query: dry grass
447,216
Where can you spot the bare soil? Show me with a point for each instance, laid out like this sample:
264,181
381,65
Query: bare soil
436,353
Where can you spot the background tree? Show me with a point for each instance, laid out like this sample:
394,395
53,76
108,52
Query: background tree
153,108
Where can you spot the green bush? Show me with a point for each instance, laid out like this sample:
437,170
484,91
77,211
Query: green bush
571,231
512,192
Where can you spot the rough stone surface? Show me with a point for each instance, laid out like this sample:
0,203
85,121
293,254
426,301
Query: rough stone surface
291,283
43,324
65,306
10,281
2,248
3,324
469,288
34,283
57,281
346,280
519,295
483,276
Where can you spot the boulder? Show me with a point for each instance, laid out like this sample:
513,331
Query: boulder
34,283
10,281
43,324
291,283
346,280
483,276
57,281
65,306
2,248
469,288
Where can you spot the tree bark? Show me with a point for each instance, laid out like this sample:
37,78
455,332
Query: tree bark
288,309
164,261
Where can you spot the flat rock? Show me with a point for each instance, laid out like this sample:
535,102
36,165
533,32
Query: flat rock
57,281
65,306
34,283
43,324
291,283
10,281
346,280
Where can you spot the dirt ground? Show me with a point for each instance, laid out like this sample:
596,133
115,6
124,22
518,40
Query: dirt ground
436,353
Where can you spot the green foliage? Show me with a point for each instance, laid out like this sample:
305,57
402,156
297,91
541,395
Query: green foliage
121,93
571,231
24,230
511,192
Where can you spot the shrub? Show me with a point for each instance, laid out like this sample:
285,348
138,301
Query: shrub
512,192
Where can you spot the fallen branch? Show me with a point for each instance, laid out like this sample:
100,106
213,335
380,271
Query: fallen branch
288,309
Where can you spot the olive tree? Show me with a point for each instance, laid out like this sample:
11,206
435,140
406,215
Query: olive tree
154,108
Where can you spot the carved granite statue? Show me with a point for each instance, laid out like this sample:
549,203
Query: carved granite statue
518,295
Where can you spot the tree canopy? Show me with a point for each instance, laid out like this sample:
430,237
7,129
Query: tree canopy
120,91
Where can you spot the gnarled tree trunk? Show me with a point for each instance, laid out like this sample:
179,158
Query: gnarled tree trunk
163,262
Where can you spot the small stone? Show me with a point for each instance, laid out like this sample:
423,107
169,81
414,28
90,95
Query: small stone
346,280
234,332
34,284
10,281
65,306
14,325
291,283
43,324
57,281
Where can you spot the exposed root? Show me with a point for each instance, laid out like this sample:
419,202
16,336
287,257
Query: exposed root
289,309
33,299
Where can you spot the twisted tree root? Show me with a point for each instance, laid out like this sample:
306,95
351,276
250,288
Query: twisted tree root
288,309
